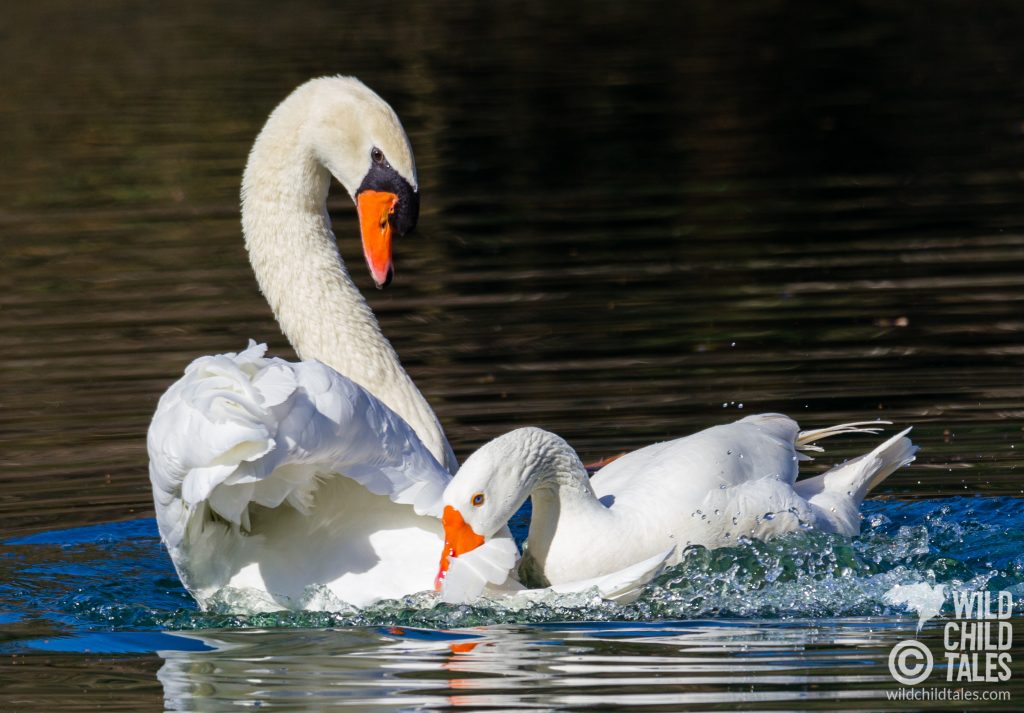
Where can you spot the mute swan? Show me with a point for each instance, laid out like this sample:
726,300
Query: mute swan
240,444
710,488
335,126
286,485
281,485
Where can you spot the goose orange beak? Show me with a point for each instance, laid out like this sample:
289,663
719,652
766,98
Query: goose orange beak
459,538
375,210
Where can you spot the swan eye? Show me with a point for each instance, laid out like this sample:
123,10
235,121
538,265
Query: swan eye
478,500
377,155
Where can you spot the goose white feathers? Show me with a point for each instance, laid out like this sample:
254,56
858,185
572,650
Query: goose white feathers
291,481
710,488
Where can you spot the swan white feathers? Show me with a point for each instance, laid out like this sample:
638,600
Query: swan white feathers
286,485
315,484
275,477
286,479
335,126
709,489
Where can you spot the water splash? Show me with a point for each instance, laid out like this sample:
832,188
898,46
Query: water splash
116,577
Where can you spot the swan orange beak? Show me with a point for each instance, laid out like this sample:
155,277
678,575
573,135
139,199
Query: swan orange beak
375,210
459,538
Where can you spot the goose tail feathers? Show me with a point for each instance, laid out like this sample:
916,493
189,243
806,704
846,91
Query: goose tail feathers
836,494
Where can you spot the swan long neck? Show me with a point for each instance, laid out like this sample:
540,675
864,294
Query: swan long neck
301,273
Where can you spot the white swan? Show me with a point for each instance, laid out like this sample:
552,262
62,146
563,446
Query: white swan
710,488
240,445
335,126
281,485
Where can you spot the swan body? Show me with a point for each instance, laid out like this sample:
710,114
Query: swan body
318,484
286,485
285,479
710,489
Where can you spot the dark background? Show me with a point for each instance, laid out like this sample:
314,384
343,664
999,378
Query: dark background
638,220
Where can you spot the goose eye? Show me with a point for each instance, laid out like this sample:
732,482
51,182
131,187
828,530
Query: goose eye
478,500
377,155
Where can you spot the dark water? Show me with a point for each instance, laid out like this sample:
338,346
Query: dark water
638,220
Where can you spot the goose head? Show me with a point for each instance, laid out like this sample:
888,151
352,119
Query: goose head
341,126
493,484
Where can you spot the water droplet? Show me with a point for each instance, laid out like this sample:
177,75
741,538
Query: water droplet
768,516
717,511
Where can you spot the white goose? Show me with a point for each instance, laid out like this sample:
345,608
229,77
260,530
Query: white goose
243,449
710,488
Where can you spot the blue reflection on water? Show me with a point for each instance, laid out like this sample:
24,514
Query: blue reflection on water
111,588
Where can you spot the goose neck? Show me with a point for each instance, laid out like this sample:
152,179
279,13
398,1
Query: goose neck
563,501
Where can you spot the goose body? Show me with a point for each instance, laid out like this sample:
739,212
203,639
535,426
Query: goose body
710,489
321,478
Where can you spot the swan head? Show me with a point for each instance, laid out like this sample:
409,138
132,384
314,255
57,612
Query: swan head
347,128
358,137
493,484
